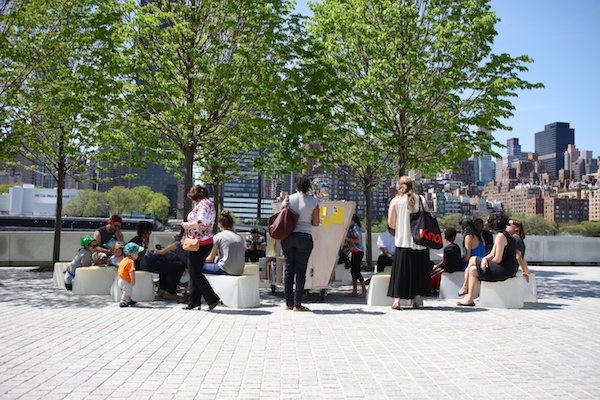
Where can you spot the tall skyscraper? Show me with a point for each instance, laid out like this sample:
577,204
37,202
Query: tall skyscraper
551,144
571,155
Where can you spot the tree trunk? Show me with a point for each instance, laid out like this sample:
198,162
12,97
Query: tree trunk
188,179
218,205
368,251
58,212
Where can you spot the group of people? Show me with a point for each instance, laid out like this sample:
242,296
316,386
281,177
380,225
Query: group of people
226,252
481,260
223,253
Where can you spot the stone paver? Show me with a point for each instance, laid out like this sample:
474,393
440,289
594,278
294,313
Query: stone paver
56,345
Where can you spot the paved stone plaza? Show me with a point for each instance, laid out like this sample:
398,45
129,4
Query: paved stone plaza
56,345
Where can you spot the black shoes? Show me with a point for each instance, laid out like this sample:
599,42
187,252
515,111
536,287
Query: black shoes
213,305
191,306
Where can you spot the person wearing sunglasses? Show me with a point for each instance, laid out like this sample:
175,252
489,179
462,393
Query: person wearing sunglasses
82,259
109,235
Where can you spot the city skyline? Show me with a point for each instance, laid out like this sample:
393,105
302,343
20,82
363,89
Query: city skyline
560,37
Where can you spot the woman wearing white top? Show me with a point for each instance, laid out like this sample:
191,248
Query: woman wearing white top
298,246
411,266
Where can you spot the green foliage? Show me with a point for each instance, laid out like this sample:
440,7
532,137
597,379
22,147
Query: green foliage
415,77
123,201
379,226
450,221
6,187
537,225
119,200
205,74
158,206
88,203
585,228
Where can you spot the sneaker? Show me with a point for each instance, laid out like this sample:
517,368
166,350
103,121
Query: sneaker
301,308
123,304
131,303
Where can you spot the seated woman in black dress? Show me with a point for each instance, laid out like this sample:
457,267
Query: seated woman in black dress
499,265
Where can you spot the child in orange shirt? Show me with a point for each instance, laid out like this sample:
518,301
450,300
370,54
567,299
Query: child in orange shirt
127,273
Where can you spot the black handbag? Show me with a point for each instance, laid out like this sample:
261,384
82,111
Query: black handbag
425,229
282,223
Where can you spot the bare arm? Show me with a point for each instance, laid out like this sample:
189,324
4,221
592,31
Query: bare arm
468,248
392,214
495,255
523,265
315,216
213,253
165,250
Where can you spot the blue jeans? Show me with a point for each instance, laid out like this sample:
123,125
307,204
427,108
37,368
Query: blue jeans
296,248
212,269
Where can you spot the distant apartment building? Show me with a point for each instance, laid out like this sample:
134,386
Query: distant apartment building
551,144
593,198
566,210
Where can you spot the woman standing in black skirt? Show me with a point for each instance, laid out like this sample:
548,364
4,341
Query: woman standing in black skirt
411,266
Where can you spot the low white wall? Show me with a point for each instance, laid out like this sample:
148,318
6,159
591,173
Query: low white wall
563,250
35,248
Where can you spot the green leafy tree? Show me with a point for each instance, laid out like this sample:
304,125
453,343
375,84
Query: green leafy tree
122,200
417,76
23,48
58,110
158,206
585,228
88,203
201,70
537,225
450,221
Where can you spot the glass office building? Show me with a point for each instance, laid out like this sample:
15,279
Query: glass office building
551,144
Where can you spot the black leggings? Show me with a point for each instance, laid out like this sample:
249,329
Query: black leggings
355,264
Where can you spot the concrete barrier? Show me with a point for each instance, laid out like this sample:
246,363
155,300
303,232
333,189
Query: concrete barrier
35,248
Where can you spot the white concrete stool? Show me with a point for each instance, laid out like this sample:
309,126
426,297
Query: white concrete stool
505,294
377,292
342,275
236,291
94,280
529,288
144,289
58,278
450,284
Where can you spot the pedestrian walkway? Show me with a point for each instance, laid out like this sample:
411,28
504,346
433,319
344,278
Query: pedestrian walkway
56,345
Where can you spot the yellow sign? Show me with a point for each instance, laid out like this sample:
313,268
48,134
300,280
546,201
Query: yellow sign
337,216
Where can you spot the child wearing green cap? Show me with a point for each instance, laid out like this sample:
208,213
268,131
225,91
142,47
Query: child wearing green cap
82,259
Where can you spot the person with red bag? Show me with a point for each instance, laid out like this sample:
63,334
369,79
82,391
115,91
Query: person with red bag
299,244
411,268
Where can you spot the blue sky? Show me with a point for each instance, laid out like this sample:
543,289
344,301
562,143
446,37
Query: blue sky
563,38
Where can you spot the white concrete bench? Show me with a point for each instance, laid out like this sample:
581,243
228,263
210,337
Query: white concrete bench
342,275
143,290
238,291
377,292
529,288
505,294
58,278
450,284
94,280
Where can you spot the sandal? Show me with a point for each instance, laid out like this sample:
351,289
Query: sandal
396,306
471,304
